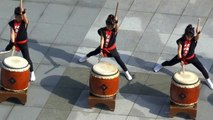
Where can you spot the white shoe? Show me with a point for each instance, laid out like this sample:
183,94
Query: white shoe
209,83
128,76
158,67
32,76
83,59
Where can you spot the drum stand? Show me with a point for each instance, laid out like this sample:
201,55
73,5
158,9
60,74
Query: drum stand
190,110
108,101
5,95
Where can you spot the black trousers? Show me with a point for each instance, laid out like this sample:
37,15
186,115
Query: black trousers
24,51
113,53
195,61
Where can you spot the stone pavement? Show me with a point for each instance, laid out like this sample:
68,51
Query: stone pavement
61,31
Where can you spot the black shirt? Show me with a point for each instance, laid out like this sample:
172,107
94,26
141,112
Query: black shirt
192,45
22,32
102,32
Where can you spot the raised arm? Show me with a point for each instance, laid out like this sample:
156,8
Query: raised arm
116,24
23,13
198,30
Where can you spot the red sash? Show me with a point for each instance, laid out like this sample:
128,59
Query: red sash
19,42
188,58
107,50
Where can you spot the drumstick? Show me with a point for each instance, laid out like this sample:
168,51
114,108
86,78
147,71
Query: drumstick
183,68
13,51
116,10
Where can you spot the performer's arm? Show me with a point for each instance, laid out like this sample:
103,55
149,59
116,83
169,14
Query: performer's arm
116,24
102,43
12,35
179,51
23,13
198,30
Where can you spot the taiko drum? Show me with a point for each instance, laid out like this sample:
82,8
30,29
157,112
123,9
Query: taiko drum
104,79
15,74
185,88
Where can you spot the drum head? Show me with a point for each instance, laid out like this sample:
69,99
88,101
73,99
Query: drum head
105,68
15,62
186,77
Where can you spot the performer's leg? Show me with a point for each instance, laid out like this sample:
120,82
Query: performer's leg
117,57
25,52
92,53
9,46
172,62
196,62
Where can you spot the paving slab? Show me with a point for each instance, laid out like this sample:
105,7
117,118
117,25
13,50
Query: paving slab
151,39
207,29
76,115
198,8
24,113
45,32
163,23
172,7
4,111
91,3
71,35
145,5
59,55
103,116
7,8
88,14
138,118
123,4
204,110
148,106
53,114
61,11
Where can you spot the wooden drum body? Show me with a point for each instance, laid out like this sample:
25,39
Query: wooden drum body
15,74
104,80
185,89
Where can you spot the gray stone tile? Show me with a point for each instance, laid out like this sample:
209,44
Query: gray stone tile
76,115
92,39
163,23
37,96
81,105
136,86
172,6
48,75
61,11
76,78
71,35
124,103
41,1
186,20
88,14
131,29
37,51
63,98
5,111
53,114
123,4
35,10
198,8
59,55
204,110
207,29
205,93
148,106
142,61
211,14
24,113
202,48
67,2
138,118
91,3
171,45
3,24
136,21
145,5
7,8
150,39
157,85
103,116
44,32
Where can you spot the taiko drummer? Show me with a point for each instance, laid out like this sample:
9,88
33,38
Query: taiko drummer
107,46
18,36
186,47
